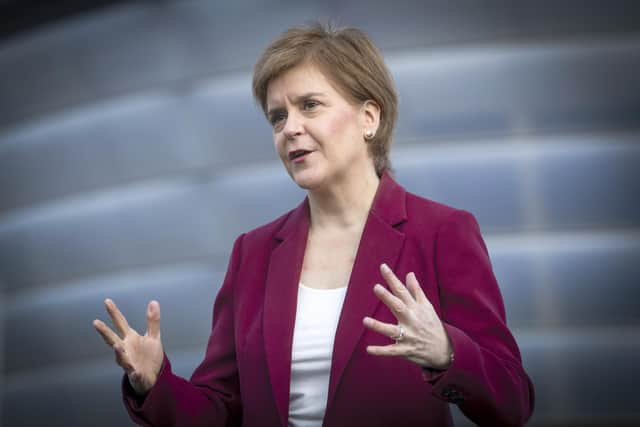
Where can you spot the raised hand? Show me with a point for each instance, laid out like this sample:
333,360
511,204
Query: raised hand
139,355
419,334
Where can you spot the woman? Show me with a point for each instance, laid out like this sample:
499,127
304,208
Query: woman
365,305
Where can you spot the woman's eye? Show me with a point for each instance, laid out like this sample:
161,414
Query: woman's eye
310,104
277,118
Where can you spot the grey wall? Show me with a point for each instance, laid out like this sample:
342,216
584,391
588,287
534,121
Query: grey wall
131,155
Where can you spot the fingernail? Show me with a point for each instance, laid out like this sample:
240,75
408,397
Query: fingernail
385,268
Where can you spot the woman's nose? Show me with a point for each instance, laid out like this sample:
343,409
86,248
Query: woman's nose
293,126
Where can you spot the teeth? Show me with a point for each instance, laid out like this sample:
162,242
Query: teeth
298,153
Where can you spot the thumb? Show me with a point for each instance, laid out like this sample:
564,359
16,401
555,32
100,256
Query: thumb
153,319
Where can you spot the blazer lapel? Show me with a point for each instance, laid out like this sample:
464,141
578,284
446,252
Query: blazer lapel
380,242
281,297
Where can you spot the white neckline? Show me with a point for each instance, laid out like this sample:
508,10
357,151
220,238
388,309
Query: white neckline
340,289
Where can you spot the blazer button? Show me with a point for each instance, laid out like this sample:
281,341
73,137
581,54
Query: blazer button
456,399
448,392
452,395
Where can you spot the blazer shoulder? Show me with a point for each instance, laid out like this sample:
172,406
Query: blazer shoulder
419,207
430,219
266,232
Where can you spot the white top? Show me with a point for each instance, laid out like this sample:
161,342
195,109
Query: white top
317,316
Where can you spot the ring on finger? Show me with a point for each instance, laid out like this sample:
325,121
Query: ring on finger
400,335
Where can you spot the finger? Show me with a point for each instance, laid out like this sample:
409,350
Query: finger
416,289
122,358
106,333
385,329
397,307
397,287
119,321
388,350
153,319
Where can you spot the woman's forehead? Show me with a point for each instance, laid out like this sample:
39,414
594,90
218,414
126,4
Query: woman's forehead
297,82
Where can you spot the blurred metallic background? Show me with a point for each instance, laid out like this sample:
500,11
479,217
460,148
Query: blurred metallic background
132,154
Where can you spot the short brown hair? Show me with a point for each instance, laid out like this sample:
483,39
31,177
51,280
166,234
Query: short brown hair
350,60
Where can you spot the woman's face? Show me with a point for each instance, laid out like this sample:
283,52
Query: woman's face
317,133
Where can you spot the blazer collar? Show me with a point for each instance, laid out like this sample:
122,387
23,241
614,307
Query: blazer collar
380,242
388,205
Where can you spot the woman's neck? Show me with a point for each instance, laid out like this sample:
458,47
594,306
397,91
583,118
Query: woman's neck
345,205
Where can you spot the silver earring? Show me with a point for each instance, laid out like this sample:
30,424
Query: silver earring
368,134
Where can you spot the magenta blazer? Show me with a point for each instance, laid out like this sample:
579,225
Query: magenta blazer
244,377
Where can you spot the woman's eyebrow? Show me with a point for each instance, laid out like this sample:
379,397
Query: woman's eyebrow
297,99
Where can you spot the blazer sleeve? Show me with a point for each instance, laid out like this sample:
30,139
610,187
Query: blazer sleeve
212,396
486,378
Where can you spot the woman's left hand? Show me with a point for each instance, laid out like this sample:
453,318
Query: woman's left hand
425,340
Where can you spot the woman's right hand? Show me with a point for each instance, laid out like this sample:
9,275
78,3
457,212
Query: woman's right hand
140,356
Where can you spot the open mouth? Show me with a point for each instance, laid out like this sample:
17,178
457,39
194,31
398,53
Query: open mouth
298,154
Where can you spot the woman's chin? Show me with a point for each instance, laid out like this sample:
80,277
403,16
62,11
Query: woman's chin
307,180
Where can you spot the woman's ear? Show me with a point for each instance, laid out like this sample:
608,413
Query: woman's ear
371,114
